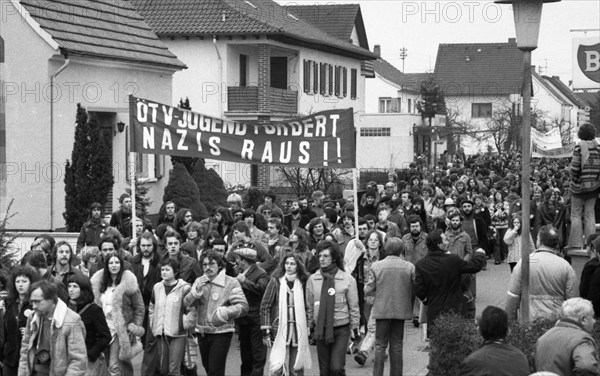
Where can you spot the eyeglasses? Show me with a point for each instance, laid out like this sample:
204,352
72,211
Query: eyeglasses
206,265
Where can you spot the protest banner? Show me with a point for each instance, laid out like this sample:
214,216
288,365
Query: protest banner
323,139
564,152
548,140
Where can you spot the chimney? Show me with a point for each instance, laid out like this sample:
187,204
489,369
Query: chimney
512,40
377,50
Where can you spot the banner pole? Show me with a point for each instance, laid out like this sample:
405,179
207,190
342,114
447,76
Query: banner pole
355,193
132,182
132,165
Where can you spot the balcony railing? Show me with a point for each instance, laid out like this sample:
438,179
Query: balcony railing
245,99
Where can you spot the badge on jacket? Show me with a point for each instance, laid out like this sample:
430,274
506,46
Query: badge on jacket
331,291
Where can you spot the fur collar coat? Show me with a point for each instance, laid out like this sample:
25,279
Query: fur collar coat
128,309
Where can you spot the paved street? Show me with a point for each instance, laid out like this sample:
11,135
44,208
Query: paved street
491,286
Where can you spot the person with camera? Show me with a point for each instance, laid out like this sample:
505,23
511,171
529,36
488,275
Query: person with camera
54,336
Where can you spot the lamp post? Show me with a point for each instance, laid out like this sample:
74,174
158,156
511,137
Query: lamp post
527,14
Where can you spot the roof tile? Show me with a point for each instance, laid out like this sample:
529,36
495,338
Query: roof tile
210,17
479,69
108,29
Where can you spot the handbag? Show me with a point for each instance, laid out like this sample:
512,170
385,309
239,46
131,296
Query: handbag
192,352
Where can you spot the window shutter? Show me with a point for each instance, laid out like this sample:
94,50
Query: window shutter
306,71
353,83
315,77
345,82
323,88
330,79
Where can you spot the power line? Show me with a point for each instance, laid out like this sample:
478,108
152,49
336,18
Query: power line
403,55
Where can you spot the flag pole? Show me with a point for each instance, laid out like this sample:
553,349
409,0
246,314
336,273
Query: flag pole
132,167
355,183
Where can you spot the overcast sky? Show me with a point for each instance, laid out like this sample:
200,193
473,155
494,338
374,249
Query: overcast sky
420,26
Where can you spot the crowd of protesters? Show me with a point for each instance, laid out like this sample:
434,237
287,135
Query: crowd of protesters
285,278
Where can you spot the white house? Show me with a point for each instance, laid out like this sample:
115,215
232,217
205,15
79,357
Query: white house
58,54
256,60
479,79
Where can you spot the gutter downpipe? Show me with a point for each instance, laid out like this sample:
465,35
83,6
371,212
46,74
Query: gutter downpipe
52,78
220,75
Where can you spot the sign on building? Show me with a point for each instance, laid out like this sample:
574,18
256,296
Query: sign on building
586,63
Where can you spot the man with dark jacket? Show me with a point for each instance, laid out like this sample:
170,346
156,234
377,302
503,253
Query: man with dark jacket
254,281
145,265
438,277
92,230
121,218
496,356
189,269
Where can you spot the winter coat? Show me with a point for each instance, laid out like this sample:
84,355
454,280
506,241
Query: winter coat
585,174
14,320
91,233
438,281
166,312
391,283
254,288
551,282
218,303
269,307
97,334
67,334
415,251
513,240
146,283
189,269
128,309
567,349
346,309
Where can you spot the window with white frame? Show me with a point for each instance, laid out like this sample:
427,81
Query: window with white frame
389,105
481,110
375,132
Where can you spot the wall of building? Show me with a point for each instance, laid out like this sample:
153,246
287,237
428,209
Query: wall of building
395,151
545,101
462,105
27,123
379,87
206,80
101,86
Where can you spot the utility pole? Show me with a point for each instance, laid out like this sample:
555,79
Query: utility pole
403,55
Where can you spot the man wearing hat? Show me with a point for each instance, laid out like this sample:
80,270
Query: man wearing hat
254,281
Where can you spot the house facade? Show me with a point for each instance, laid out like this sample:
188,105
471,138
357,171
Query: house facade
479,80
392,125
56,55
257,61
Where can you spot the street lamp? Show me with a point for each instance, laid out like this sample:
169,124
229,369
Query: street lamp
528,15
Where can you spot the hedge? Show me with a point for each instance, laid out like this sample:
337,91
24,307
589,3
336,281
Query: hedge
453,338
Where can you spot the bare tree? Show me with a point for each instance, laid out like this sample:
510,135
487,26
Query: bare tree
503,128
305,181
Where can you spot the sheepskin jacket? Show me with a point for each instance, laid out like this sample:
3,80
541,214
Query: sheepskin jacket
68,356
128,309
